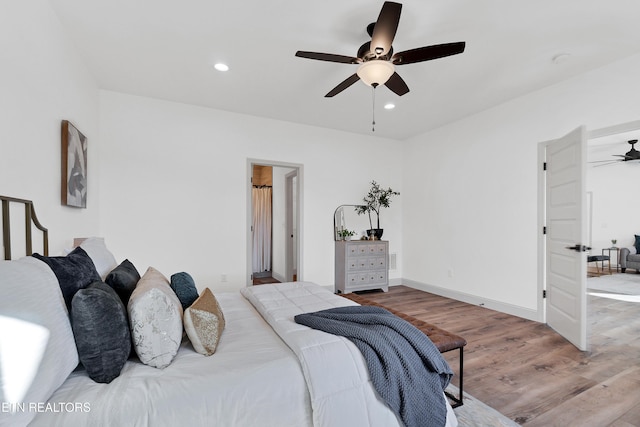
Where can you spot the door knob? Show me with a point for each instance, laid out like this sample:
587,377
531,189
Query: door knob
579,248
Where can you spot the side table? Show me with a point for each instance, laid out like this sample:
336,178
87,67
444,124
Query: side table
617,251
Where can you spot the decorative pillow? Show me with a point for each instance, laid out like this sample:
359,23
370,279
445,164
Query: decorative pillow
36,341
637,243
102,258
204,323
155,315
101,330
74,272
185,288
123,279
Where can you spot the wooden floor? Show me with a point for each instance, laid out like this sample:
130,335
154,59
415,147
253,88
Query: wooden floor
264,280
531,374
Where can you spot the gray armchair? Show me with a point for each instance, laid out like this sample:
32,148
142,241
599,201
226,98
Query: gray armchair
629,259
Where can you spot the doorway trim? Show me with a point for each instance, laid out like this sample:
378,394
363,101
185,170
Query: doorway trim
299,170
291,232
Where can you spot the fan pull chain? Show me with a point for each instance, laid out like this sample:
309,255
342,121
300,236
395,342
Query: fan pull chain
373,109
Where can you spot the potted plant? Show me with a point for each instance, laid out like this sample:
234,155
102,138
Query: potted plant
346,234
376,199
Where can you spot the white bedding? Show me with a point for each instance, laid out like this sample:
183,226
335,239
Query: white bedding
337,377
237,386
278,374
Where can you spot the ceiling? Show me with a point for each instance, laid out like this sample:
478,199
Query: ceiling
165,49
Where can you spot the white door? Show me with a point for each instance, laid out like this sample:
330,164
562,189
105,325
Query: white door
566,236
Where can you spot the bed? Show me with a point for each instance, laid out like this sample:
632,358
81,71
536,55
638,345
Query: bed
266,370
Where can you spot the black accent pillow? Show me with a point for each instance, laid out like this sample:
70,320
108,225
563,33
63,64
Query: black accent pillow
123,279
637,244
74,272
185,288
101,331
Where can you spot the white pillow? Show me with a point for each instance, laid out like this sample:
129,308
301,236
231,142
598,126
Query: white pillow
155,315
102,258
38,349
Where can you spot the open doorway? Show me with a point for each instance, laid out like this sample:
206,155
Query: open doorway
564,195
273,222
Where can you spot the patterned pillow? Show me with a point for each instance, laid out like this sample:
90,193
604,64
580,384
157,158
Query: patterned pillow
101,331
155,315
204,323
185,288
74,272
123,279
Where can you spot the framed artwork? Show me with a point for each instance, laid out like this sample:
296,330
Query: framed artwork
74,166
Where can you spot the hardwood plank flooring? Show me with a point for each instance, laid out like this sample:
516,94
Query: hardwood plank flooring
531,374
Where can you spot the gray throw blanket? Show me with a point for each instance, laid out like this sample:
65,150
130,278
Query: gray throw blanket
406,368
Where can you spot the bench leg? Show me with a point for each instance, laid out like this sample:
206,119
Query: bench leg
457,400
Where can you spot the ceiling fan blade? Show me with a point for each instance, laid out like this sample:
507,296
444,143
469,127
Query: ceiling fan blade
397,85
605,164
427,53
624,156
342,86
343,59
385,28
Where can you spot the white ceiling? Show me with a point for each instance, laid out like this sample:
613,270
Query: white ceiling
165,49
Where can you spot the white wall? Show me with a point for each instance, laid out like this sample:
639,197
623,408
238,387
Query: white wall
43,81
174,185
615,202
470,188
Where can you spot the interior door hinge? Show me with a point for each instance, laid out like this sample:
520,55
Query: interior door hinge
544,230
544,166
544,293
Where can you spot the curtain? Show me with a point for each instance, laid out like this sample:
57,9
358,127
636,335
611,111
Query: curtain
261,229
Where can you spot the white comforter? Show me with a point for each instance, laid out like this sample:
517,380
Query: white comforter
252,379
336,373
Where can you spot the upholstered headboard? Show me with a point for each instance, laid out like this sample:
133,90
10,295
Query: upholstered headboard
30,219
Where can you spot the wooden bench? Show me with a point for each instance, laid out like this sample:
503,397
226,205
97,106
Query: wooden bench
443,340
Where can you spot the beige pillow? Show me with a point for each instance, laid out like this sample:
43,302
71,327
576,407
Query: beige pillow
155,317
204,322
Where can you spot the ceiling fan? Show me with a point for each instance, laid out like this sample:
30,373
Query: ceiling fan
376,58
630,155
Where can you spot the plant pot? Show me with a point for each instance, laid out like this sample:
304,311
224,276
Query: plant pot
377,232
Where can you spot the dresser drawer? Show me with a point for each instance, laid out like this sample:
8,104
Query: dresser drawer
377,263
370,277
357,263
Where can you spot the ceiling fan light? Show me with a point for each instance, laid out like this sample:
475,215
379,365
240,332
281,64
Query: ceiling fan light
375,72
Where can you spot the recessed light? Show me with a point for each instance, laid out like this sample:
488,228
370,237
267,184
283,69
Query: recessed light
389,106
221,67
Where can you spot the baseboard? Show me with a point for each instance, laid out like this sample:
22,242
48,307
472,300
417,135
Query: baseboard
278,277
470,299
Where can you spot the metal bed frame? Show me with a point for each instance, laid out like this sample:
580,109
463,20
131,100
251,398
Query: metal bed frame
30,218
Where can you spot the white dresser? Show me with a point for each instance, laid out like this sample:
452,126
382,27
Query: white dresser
361,265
